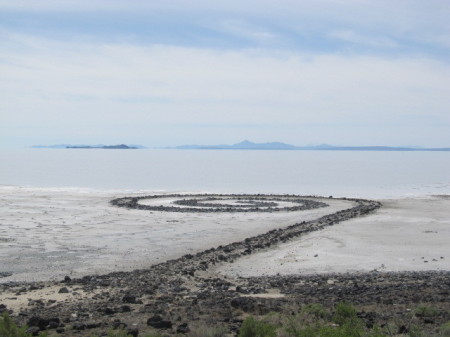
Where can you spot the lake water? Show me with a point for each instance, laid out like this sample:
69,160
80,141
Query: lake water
339,173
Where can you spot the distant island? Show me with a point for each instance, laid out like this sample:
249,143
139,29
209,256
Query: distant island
114,147
107,147
248,145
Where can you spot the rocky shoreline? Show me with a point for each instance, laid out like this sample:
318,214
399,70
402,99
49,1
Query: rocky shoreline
181,294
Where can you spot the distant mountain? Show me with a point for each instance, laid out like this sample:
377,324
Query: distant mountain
101,146
244,145
264,146
248,145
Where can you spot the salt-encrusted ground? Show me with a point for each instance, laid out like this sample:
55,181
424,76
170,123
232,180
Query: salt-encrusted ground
410,234
49,233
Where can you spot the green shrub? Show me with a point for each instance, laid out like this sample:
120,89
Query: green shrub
345,314
445,329
315,321
316,310
330,331
299,327
346,330
275,318
255,328
415,331
9,329
425,311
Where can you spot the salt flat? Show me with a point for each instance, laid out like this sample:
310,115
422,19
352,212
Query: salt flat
46,234
410,234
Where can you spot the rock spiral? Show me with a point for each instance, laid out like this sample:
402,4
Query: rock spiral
212,203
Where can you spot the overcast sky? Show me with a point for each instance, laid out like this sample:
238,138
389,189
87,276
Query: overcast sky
171,72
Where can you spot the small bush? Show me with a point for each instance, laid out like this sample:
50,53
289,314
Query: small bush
274,318
298,326
316,321
415,331
254,328
426,311
9,329
316,310
344,314
445,329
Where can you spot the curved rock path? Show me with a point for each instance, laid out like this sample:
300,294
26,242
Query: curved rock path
217,203
178,295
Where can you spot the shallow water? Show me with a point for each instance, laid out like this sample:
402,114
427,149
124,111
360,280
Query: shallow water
340,173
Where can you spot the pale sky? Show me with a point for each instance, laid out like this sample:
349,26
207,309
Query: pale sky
172,72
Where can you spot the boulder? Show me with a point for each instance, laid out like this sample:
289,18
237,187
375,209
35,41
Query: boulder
157,322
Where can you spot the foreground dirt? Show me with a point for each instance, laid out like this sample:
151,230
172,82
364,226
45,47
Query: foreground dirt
180,295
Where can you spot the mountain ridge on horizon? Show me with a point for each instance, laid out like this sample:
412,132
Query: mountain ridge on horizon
248,145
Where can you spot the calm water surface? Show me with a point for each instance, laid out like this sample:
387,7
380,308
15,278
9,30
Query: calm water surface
340,173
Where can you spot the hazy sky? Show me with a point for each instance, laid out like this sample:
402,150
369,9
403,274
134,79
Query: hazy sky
170,72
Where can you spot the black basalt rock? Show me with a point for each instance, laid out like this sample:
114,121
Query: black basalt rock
246,304
129,299
33,331
39,322
183,328
158,323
